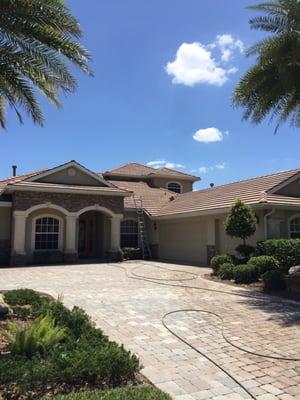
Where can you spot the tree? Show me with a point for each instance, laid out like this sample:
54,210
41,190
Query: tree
241,223
37,39
272,86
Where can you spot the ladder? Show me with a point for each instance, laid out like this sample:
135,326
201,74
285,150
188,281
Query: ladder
142,231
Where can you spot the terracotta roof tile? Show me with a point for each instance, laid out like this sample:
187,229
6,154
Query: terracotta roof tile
153,198
19,178
131,169
174,173
251,191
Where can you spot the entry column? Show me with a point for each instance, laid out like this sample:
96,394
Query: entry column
18,256
115,249
71,252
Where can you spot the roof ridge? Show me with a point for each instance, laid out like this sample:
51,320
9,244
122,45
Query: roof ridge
129,163
248,179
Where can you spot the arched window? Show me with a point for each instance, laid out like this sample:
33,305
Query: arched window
129,233
47,233
294,228
174,187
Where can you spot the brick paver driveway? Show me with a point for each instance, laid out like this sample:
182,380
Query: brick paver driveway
130,311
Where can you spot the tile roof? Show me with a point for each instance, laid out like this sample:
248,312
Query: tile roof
251,191
131,169
153,198
23,177
140,170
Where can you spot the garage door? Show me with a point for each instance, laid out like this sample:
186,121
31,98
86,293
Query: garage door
183,242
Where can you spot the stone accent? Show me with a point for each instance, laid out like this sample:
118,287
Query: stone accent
18,260
4,308
70,258
4,251
22,201
211,252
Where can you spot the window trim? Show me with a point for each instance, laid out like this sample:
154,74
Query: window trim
289,223
177,183
60,232
137,233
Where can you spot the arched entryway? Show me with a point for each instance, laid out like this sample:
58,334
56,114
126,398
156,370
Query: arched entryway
94,235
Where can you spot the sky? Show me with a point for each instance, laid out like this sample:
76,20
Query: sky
164,73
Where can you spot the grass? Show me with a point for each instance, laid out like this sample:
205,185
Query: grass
132,393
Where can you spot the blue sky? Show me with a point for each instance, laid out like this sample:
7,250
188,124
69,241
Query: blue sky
164,70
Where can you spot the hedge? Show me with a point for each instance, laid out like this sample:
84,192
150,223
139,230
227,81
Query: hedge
286,251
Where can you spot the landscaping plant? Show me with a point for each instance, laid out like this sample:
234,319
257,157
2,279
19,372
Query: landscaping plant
264,263
274,280
226,271
241,223
245,273
219,260
286,251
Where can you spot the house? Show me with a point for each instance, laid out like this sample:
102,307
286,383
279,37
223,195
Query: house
68,213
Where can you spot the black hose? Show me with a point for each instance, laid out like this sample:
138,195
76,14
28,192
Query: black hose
157,281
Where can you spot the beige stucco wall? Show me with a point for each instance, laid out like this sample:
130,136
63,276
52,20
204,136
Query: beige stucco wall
183,240
278,223
5,223
293,189
80,178
187,186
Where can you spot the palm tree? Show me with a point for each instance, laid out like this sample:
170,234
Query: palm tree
37,39
272,86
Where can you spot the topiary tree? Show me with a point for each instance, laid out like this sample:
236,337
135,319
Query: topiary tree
241,223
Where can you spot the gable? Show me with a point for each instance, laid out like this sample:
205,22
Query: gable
71,173
292,189
70,176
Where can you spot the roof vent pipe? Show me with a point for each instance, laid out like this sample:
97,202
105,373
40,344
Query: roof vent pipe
14,170
211,185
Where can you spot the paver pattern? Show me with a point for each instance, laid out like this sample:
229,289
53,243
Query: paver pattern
130,311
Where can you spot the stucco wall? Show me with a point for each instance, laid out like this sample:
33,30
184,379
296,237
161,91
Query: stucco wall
186,186
80,178
293,189
5,223
278,223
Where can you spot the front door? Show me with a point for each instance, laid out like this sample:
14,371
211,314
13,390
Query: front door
86,237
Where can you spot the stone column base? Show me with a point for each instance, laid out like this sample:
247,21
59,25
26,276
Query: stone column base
114,255
18,260
70,258
211,252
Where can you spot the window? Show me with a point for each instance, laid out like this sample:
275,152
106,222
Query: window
174,187
47,231
129,233
295,228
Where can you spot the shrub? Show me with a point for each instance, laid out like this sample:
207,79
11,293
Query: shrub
40,337
286,251
264,263
274,280
245,273
226,271
218,260
245,250
22,297
240,221
130,253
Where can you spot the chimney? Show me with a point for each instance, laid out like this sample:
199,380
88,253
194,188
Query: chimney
211,185
14,170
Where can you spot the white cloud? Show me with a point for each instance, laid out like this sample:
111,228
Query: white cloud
206,169
208,135
227,45
164,164
195,63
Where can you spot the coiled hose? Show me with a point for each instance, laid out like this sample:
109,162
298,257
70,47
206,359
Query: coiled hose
192,276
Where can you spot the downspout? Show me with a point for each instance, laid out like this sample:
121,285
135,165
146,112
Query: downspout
266,222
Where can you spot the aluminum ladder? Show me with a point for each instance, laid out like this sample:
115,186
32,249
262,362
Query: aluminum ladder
142,231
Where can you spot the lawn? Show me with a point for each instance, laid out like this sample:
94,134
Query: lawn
132,393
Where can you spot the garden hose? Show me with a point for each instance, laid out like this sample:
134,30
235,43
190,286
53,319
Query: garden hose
158,281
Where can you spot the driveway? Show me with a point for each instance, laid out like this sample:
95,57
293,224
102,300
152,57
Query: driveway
130,311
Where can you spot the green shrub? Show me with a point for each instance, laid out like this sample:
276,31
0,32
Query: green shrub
245,273
274,280
132,253
128,393
245,250
22,297
218,260
286,251
21,311
226,271
264,263
39,337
